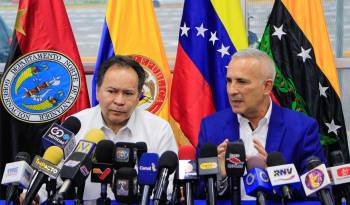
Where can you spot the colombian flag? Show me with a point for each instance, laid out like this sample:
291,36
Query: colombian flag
210,32
296,38
131,28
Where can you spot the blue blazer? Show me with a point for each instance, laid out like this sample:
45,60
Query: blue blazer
293,134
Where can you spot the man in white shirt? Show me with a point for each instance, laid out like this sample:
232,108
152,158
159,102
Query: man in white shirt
262,125
119,87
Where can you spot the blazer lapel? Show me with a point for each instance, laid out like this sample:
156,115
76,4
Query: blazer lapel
231,127
276,129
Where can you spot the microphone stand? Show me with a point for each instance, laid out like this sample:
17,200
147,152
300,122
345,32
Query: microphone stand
286,195
235,190
260,198
103,200
79,193
51,189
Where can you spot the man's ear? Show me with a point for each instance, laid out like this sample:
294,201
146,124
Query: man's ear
268,86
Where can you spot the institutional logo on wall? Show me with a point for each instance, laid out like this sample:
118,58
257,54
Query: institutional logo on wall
40,86
154,90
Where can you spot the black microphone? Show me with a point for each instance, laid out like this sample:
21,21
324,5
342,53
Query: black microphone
14,189
77,167
340,174
235,165
318,174
46,167
187,171
62,135
141,147
208,167
102,169
167,164
125,185
277,159
125,155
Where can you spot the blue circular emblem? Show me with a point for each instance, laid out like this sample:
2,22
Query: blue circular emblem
40,86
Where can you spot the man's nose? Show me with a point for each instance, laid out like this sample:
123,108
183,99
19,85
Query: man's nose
119,99
233,89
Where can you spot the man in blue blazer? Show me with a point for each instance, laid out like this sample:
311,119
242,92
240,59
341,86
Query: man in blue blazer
262,125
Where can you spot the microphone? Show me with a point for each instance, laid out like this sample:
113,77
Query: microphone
17,175
281,175
340,176
141,148
208,167
77,167
125,155
256,181
187,171
235,166
46,167
147,175
316,179
125,183
167,164
102,169
62,135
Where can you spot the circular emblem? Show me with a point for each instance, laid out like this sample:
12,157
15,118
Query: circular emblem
154,91
249,180
40,86
264,177
314,179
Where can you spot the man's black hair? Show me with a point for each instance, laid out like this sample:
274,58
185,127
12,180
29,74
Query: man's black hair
124,62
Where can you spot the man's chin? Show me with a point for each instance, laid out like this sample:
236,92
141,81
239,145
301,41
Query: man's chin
237,110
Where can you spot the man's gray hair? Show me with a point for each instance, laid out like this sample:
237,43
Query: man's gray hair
262,57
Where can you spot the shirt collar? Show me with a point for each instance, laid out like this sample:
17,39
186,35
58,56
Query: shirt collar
266,118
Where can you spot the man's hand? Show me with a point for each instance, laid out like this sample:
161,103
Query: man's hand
261,150
34,202
221,157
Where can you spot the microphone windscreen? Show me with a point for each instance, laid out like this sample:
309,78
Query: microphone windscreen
275,159
312,162
255,162
23,156
104,152
168,160
72,124
187,152
236,148
235,159
142,146
126,173
336,158
53,154
208,150
94,135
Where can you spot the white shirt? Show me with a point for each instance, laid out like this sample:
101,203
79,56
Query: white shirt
142,126
247,134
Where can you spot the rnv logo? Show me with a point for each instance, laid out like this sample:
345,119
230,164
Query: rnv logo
282,172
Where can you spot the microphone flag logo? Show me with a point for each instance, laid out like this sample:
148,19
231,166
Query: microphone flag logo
314,179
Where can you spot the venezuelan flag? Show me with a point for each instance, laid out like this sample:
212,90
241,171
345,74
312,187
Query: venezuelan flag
296,38
210,32
131,28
